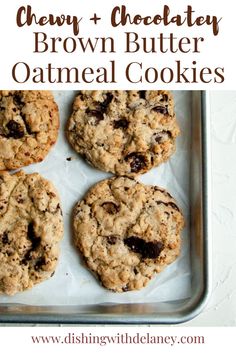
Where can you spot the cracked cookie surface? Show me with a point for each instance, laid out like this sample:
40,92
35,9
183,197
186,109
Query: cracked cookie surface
31,227
29,123
123,132
127,232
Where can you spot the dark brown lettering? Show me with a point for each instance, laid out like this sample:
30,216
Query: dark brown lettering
21,66
25,16
203,73
219,74
120,17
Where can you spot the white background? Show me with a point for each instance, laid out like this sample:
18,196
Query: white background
17,43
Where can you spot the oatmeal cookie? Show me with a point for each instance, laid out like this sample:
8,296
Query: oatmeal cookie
31,227
29,123
123,132
127,232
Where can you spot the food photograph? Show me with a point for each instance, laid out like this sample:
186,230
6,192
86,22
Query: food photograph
103,208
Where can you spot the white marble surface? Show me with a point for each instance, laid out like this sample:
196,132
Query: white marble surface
221,309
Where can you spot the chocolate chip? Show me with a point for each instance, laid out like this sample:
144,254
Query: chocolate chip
136,271
27,257
100,108
160,137
107,101
125,288
121,123
160,109
5,239
35,241
24,261
81,95
111,240
68,158
97,114
171,204
142,94
15,130
40,262
17,99
111,208
164,98
138,161
147,249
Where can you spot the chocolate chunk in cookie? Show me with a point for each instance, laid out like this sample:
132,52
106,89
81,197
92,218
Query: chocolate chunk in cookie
145,249
15,130
137,162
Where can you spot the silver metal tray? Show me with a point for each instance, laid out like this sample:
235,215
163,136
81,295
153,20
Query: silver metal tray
200,247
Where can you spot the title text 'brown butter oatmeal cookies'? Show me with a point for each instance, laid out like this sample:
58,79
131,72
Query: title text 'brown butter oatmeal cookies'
123,132
127,232
31,227
29,123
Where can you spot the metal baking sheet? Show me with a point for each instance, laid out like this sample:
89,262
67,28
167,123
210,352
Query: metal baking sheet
166,304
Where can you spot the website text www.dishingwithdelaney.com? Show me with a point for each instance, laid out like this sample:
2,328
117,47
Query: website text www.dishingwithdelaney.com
119,338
